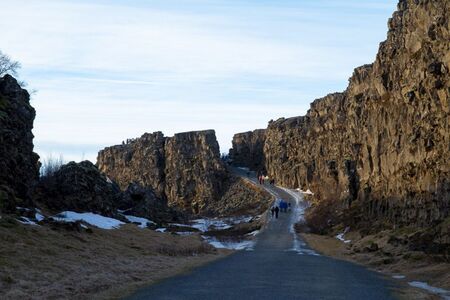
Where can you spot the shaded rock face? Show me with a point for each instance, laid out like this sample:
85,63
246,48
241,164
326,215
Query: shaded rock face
383,145
19,169
185,169
79,187
248,149
139,201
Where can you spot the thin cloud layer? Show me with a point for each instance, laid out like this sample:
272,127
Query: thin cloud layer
110,70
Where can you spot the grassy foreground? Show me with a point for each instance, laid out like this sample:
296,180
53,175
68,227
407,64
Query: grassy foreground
43,263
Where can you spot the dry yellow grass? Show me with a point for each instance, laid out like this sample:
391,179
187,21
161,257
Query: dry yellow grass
37,262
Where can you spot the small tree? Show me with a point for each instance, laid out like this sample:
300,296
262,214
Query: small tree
7,65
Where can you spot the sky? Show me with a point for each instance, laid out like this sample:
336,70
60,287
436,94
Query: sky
105,71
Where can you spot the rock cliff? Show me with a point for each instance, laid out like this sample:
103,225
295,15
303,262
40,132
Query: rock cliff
194,171
248,149
381,148
186,169
19,169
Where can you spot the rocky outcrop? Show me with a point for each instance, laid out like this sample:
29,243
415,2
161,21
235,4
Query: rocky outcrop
140,161
79,187
248,150
139,201
19,169
381,148
185,169
195,174
240,197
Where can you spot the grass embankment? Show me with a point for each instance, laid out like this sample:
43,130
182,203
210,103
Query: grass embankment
42,263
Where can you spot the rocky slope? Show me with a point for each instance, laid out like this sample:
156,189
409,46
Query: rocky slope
185,169
19,169
248,149
81,187
380,148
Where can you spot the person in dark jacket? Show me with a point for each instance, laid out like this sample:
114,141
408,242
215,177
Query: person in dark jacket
276,212
272,210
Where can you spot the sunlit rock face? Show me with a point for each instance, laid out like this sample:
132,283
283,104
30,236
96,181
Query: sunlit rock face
186,169
383,145
248,149
19,170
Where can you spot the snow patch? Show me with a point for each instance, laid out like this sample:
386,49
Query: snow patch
438,291
90,218
399,276
142,221
340,236
247,245
39,217
253,233
161,229
26,221
184,233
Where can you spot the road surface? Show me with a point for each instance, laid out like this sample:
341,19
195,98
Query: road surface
279,267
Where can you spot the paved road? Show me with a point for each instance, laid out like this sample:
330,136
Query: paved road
280,267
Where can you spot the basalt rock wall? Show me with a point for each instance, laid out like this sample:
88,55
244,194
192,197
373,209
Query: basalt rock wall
186,169
19,169
383,145
248,149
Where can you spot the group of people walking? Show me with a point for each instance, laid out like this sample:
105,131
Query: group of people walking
264,178
282,206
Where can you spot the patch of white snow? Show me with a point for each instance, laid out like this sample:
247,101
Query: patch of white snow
142,221
26,221
90,218
434,290
39,217
233,245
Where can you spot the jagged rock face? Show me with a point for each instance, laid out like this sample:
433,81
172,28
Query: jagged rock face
186,169
382,145
140,161
194,170
79,187
248,149
19,169
142,202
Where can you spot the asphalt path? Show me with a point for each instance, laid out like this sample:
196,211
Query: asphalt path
280,266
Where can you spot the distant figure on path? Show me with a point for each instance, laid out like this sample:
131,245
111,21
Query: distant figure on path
276,212
272,210
289,206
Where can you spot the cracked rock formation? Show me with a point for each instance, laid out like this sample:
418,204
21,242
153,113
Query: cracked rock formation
248,149
383,145
19,168
186,169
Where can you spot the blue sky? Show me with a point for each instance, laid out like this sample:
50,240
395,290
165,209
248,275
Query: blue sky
106,71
